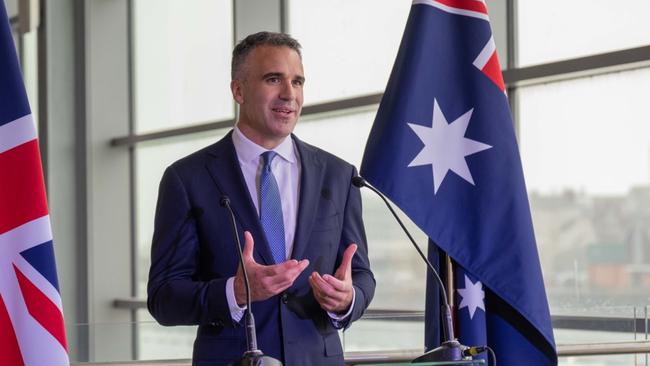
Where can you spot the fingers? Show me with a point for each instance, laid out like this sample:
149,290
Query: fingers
290,265
332,295
267,281
328,285
321,286
249,245
346,263
323,292
278,277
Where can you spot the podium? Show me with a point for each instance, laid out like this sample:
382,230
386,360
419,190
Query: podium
437,363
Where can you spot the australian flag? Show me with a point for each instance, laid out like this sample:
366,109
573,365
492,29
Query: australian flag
443,149
31,317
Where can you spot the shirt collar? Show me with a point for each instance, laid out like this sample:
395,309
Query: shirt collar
248,151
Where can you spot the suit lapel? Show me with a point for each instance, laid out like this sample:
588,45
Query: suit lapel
226,174
311,182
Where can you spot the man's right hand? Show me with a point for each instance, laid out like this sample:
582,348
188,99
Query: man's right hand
265,281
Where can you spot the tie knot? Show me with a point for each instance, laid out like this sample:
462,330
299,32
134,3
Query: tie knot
267,158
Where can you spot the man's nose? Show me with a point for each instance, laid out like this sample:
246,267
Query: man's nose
288,92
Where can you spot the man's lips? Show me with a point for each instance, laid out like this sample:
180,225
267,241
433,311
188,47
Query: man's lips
283,110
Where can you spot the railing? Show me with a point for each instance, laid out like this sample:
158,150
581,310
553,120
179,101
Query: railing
621,337
365,358
575,322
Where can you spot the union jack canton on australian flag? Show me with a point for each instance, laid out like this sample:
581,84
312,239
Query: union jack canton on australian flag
31,317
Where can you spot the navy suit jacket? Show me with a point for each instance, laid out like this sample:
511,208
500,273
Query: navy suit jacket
194,253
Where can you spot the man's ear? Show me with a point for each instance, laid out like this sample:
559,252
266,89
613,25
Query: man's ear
236,88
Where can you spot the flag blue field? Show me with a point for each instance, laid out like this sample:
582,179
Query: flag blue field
31,316
443,149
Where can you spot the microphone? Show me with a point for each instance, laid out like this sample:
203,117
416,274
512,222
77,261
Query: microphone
450,349
253,356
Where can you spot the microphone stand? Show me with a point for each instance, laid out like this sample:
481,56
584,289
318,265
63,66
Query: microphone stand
253,356
450,349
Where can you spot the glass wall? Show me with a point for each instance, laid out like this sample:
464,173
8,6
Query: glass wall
181,76
27,49
181,61
556,30
349,46
584,144
586,155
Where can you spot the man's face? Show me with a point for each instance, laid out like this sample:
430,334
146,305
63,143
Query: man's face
268,90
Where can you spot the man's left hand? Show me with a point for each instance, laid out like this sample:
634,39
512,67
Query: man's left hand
334,293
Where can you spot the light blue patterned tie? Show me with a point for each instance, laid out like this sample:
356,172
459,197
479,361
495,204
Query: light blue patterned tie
271,209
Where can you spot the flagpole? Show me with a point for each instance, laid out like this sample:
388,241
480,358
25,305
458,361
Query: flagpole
450,290
450,281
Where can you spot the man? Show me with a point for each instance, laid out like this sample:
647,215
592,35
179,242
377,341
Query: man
304,242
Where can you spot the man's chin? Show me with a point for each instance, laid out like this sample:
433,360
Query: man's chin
284,127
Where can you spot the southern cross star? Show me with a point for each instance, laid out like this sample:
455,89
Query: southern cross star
472,295
445,146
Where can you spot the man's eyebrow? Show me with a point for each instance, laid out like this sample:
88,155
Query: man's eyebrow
279,74
272,74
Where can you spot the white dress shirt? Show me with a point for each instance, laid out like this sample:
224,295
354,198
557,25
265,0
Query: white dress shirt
286,168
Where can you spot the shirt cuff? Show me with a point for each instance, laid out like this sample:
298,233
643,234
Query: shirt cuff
236,312
338,320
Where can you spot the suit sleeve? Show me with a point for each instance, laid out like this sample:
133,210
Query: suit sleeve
176,296
353,232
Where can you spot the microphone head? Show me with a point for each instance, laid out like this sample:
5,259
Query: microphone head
358,181
224,201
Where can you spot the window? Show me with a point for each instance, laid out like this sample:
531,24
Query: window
586,153
181,63
556,30
584,145
348,46
181,75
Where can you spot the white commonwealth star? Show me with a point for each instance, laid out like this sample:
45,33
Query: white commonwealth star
473,296
445,146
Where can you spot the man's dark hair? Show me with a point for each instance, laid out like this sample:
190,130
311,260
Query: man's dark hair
243,48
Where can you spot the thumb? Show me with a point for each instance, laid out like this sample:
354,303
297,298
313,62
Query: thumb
346,263
249,244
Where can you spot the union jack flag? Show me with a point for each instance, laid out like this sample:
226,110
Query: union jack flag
31,316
